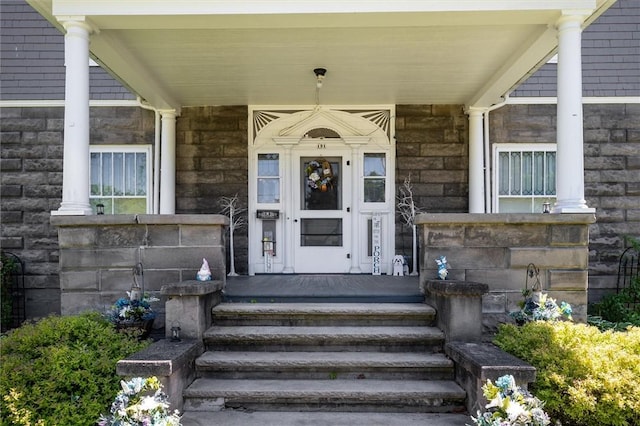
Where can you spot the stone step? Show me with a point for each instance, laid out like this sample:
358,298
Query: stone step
270,418
324,338
325,395
324,365
344,314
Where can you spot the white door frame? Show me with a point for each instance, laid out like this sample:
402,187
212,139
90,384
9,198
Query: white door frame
285,131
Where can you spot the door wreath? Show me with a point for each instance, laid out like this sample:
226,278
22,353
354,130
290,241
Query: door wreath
319,175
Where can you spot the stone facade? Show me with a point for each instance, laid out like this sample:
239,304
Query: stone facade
31,164
212,162
612,174
98,254
431,145
497,249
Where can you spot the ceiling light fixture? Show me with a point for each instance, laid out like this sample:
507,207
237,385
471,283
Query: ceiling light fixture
319,72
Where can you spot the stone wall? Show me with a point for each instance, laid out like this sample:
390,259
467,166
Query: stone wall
612,174
432,148
31,143
496,250
98,254
212,162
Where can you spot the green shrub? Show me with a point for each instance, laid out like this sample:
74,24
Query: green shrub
61,370
586,377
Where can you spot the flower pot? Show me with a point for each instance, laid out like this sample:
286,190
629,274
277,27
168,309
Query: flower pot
141,328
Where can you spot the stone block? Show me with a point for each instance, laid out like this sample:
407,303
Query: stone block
568,280
168,360
442,236
201,235
74,303
494,303
40,303
77,237
505,236
106,258
503,279
459,307
188,258
163,235
156,278
475,363
11,242
569,235
79,280
547,258
117,280
468,258
120,236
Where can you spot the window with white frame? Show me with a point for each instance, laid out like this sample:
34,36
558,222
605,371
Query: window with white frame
121,178
375,177
525,177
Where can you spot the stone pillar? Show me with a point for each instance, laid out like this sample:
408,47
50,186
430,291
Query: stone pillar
570,155
459,308
476,161
189,305
168,163
75,174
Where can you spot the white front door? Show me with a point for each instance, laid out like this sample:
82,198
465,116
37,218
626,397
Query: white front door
322,212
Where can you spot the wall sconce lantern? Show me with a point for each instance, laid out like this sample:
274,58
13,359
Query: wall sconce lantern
100,208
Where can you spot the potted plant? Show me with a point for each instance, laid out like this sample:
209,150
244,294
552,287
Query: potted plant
537,305
133,313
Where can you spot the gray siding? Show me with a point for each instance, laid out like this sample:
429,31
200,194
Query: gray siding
610,57
32,59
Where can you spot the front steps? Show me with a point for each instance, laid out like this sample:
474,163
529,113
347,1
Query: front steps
351,363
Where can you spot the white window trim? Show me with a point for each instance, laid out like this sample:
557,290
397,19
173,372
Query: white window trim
522,147
147,149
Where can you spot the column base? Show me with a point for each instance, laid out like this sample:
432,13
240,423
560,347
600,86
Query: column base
72,212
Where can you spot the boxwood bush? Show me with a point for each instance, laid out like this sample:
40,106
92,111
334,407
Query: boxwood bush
586,377
61,370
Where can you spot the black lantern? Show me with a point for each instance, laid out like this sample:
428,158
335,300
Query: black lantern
546,207
175,332
99,208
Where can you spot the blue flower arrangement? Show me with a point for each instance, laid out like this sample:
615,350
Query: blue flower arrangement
510,405
132,309
540,307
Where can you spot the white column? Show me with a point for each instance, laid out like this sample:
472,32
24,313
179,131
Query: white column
290,222
168,163
476,161
570,155
76,158
355,209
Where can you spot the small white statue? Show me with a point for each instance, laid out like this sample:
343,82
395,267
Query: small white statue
204,274
398,265
442,267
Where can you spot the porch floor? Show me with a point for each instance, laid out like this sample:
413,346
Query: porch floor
333,288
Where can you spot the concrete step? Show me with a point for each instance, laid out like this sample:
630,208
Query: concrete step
344,314
325,395
324,338
263,418
324,365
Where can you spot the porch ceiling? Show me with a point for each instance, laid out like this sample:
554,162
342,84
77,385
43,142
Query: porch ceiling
189,52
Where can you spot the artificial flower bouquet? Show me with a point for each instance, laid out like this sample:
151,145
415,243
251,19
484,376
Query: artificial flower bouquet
538,306
510,405
132,309
141,402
